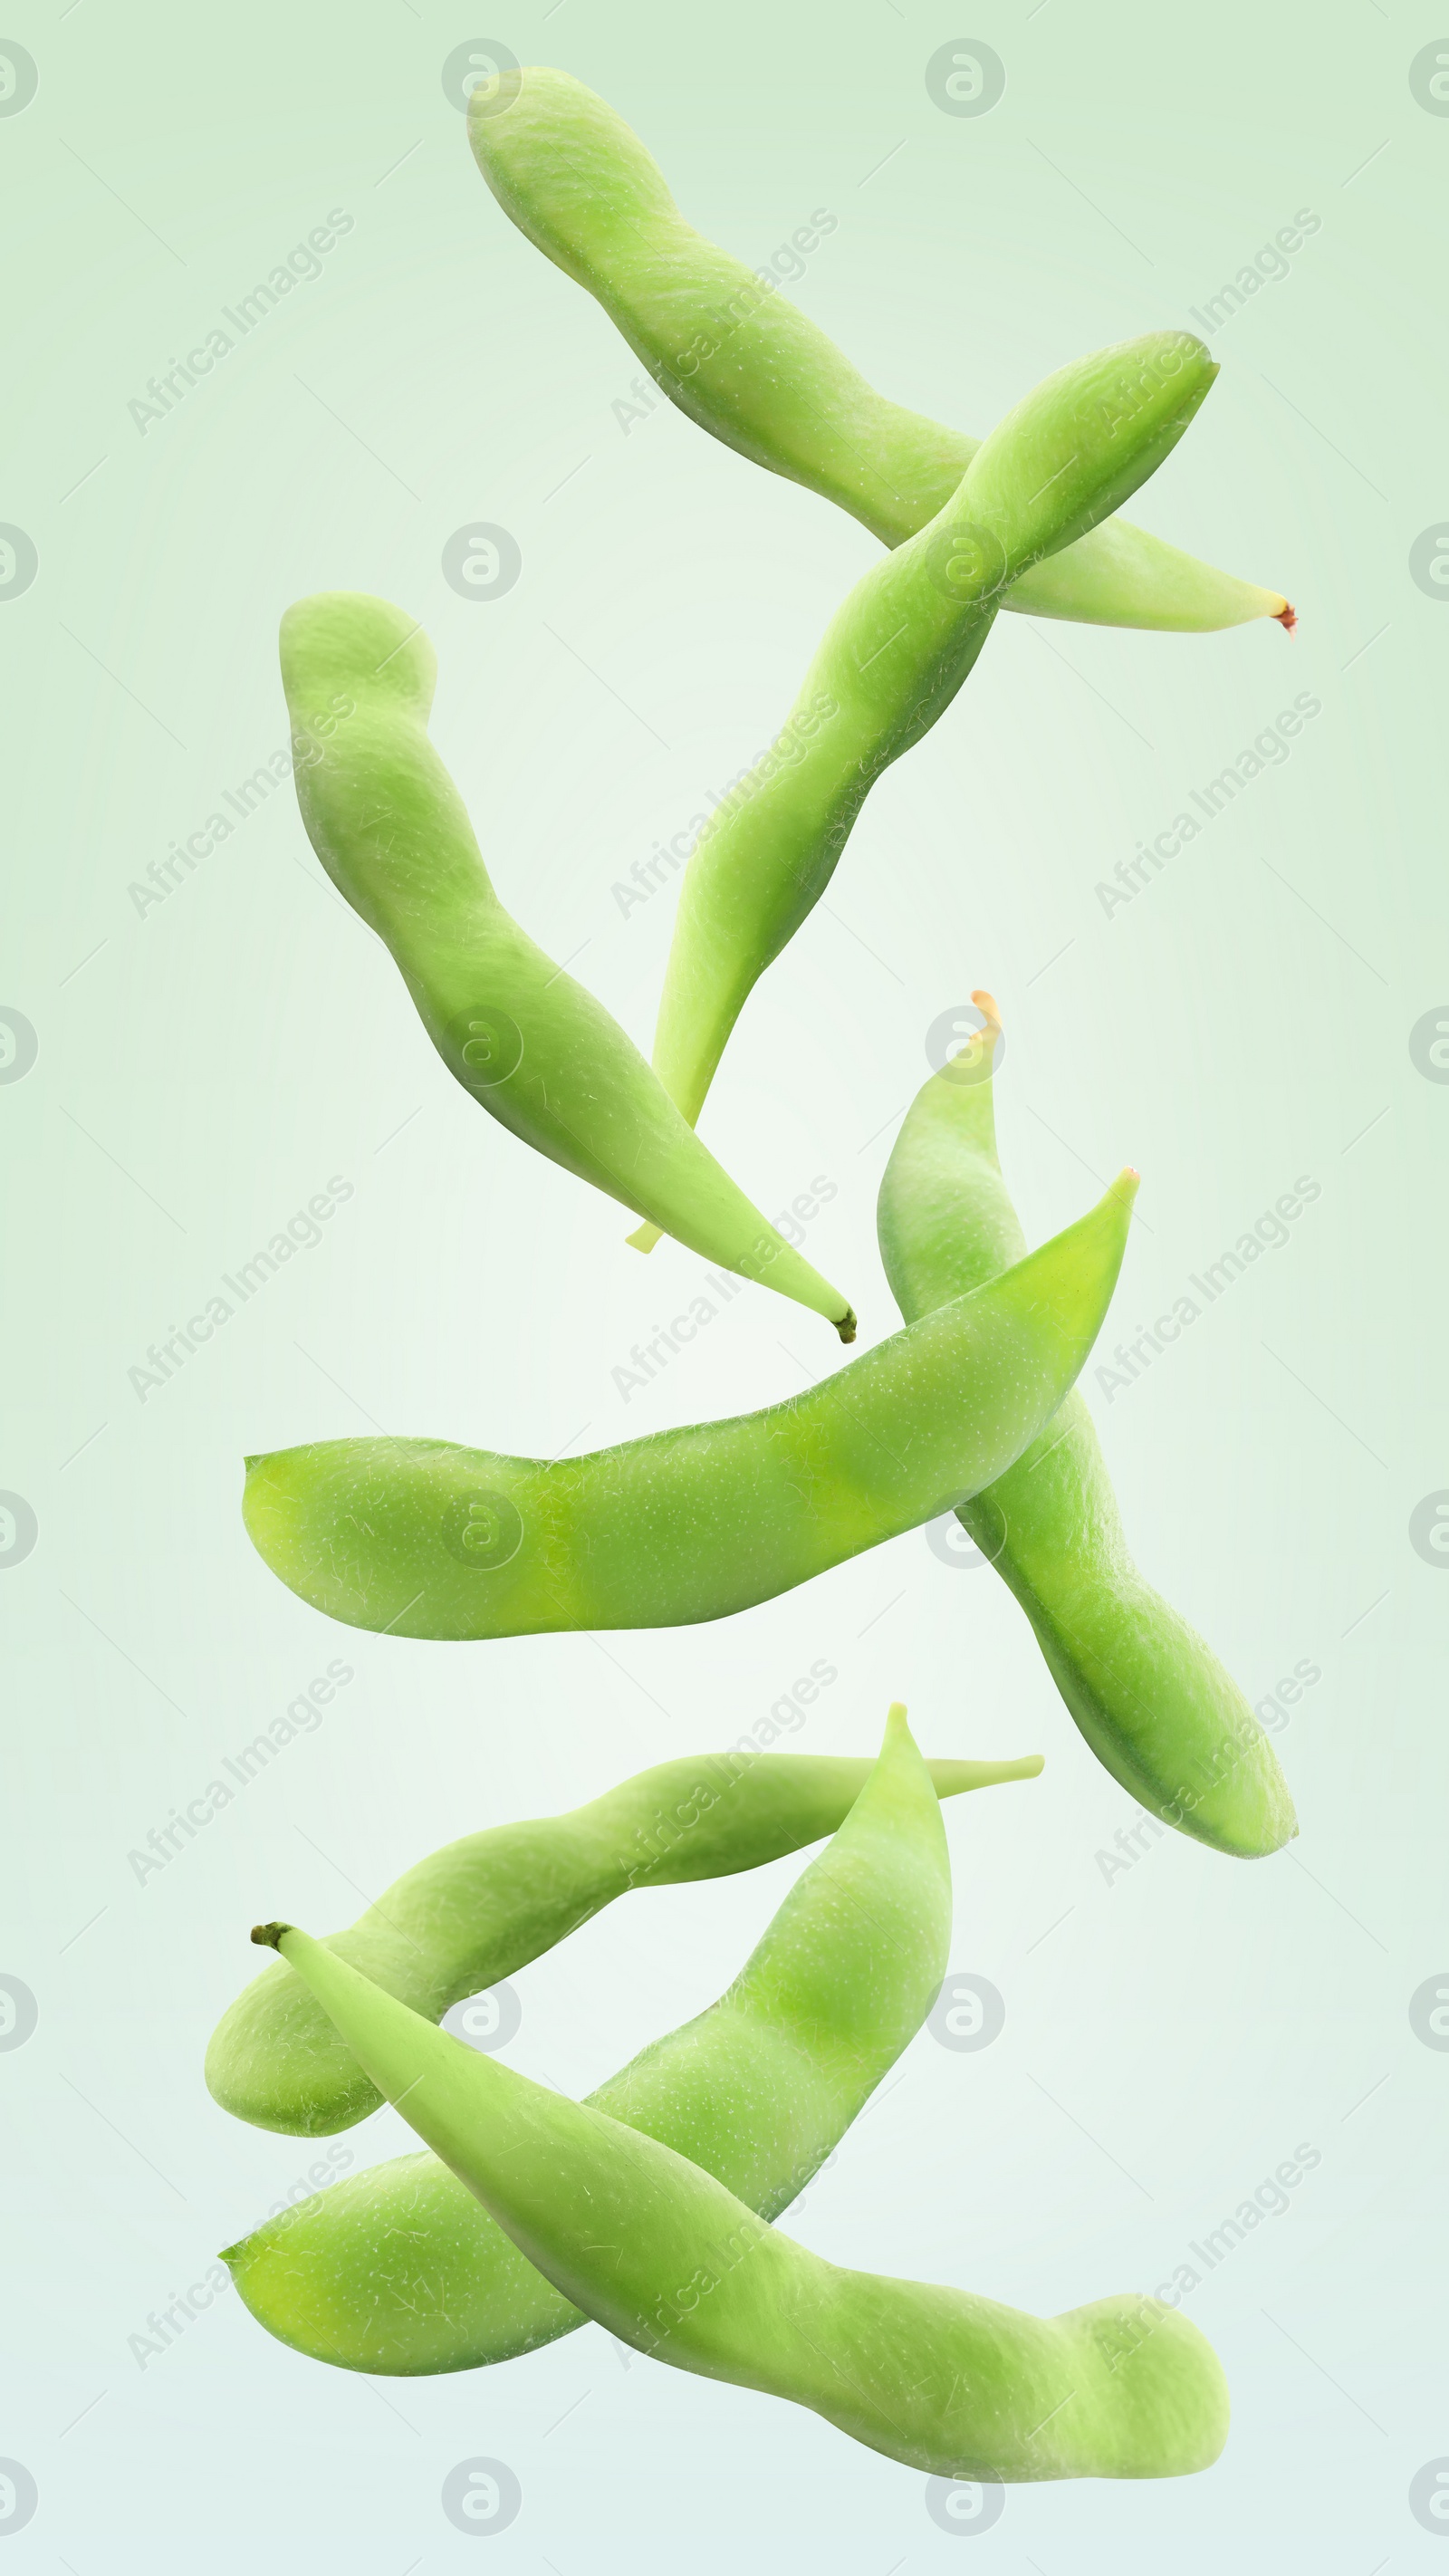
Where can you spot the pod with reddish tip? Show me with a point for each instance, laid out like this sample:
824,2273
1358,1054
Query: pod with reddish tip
892,659
739,358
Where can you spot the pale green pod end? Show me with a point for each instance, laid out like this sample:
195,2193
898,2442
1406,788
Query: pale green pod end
1163,2409
564,166
1117,575
337,640
944,1221
482,1907
950,1778
1079,444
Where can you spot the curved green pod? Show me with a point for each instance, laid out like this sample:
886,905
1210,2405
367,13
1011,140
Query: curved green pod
533,1047
893,657
421,1538
1151,1698
734,354
655,2248
481,1908
401,2270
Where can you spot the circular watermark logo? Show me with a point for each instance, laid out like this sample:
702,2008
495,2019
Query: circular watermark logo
965,78
482,2497
481,75
965,2506
487,2022
1428,1529
1429,2011
1429,561
19,81
483,1531
1429,2497
19,2496
969,2012
966,563
19,562
1429,1044
19,2012
19,1530
484,1047
955,1046
952,1544
481,561
1429,77
19,1045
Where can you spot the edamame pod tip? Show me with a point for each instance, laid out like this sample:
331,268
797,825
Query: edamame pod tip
532,1046
398,2269
465,1918
426,1538
1150,1697
731,351
647,2242
899,648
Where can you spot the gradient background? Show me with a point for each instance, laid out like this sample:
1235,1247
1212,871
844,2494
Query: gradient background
1170,2036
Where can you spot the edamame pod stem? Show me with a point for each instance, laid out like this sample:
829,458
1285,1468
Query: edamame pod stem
526,1041
401,2270
481,1908
893,657
1152,1700
422,1538
671,2261
735,355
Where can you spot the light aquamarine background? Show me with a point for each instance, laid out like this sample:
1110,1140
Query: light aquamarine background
1173,2033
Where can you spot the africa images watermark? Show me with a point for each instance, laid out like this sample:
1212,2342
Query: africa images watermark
167,2325
786,751
303,1716
722,1772
301,1233
1269,2200
785,267
649,1359
1268,750
168,389
1133,1842
1267,267
1269,1233
305,749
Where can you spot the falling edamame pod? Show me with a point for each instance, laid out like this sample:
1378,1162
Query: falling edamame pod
892,659
482,1908
422,1538
1152,1700
655,2248
737,357
400,2269
526,1041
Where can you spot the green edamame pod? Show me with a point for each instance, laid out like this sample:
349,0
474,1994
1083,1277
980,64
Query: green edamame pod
526,1041
482,1908
669,2259
400,2269
1152,1700
735,355
422,1538
893,658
